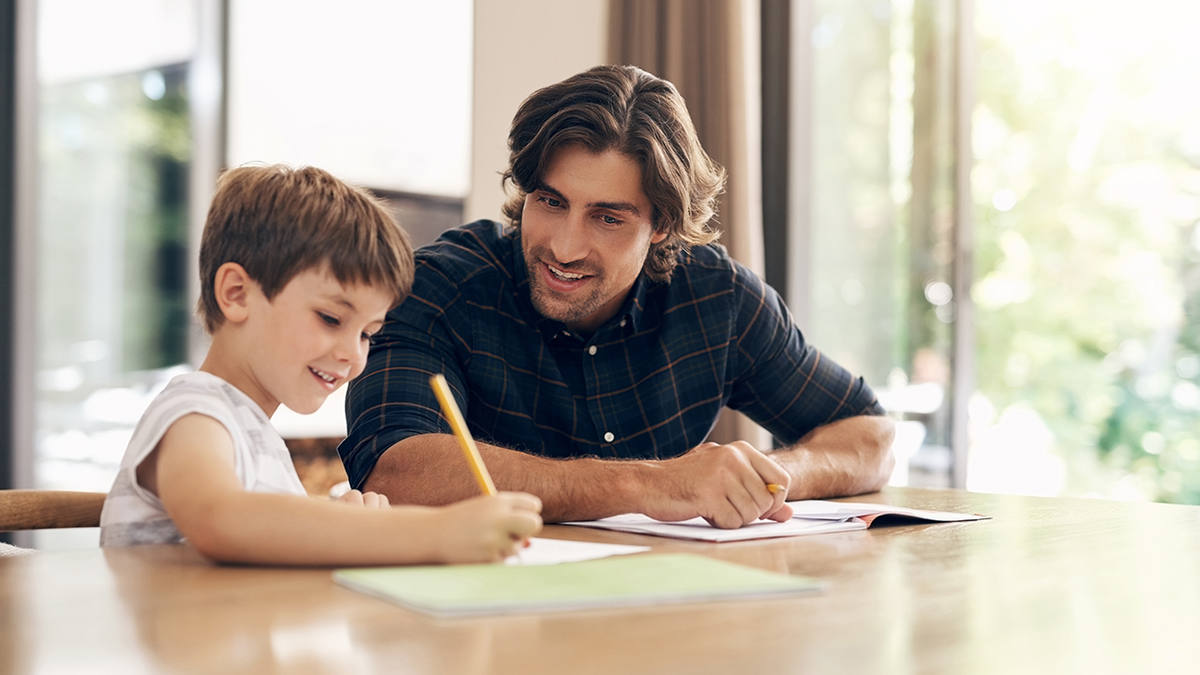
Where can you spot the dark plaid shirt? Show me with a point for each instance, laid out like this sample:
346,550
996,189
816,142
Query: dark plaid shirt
648,384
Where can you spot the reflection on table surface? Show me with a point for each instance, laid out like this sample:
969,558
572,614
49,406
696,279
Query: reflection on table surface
1044,586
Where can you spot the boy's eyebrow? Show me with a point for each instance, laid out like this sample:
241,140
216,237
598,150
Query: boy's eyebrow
611,206
341,300
345,302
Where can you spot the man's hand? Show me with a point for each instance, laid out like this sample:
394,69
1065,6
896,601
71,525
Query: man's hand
724,484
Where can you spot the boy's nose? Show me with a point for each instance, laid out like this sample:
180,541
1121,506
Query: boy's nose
350,349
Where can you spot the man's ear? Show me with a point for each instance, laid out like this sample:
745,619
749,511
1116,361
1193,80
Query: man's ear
658,236
232,288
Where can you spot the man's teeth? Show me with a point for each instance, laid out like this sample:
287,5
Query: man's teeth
565,275
324,376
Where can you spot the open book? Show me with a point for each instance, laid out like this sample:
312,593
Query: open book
620,581
811,517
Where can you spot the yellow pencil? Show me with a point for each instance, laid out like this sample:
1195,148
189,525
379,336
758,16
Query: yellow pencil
774,487
442,390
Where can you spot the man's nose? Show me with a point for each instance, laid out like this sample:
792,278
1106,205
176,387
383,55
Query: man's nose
569,243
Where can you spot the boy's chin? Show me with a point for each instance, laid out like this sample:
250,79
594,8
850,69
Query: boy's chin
305,407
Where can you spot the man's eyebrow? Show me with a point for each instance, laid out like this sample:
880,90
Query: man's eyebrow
611,206
618,206
542,187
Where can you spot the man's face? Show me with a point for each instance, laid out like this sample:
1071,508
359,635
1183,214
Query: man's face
586,231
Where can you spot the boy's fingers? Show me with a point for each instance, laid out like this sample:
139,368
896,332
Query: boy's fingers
528,524
351,497
375,500
524,500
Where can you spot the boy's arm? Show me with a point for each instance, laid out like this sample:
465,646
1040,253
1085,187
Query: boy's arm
196,481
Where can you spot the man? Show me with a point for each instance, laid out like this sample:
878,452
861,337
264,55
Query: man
593,341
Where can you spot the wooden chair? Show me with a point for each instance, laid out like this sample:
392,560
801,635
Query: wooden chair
44,509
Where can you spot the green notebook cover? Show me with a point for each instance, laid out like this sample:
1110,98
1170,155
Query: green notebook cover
620,581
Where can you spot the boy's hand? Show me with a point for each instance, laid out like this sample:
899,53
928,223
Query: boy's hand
487,529
370,500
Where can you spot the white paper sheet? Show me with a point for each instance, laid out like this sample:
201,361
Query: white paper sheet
554,551
699,529
811,517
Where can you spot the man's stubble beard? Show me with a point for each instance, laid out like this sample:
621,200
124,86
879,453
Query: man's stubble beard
542,296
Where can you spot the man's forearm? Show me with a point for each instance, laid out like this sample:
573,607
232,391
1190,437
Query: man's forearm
848,457
431,470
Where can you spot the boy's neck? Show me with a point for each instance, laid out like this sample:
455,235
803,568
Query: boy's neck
225,361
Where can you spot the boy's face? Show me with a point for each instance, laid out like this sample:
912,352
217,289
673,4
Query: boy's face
585,233
310,339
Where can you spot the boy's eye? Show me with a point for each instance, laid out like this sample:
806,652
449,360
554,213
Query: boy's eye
331,320
368,338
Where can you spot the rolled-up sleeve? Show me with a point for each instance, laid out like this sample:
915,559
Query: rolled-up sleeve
392,399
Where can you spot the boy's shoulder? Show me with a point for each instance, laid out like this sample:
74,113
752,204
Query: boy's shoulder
202,392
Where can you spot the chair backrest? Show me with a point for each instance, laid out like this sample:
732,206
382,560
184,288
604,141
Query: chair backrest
44,509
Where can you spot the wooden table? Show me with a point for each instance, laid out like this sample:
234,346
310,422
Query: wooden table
1045,586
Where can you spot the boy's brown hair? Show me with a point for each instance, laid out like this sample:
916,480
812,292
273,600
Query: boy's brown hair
276,222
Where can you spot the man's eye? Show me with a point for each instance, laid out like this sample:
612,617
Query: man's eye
609,220
551,202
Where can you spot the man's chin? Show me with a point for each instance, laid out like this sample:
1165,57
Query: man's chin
562,312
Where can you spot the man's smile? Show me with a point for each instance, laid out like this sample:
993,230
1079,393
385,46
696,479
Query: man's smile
562,281
564,275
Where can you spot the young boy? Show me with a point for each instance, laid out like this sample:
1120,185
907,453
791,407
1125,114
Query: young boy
297,271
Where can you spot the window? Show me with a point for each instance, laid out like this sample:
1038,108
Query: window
1041,319
873,210
115,159
1087,195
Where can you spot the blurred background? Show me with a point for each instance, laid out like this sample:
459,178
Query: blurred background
989,209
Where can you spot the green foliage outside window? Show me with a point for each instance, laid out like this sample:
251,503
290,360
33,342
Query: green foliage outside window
1087,192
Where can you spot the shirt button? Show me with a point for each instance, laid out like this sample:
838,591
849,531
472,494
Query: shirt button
623,323
608,437
592,350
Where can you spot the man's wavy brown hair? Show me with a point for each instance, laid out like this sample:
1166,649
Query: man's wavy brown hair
628,110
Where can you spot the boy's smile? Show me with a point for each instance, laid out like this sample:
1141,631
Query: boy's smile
299,347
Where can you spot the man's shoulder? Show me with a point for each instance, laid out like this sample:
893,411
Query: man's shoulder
468,251
709,256
711,265
709,272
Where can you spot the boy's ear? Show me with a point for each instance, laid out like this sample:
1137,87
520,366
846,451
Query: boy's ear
232,288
